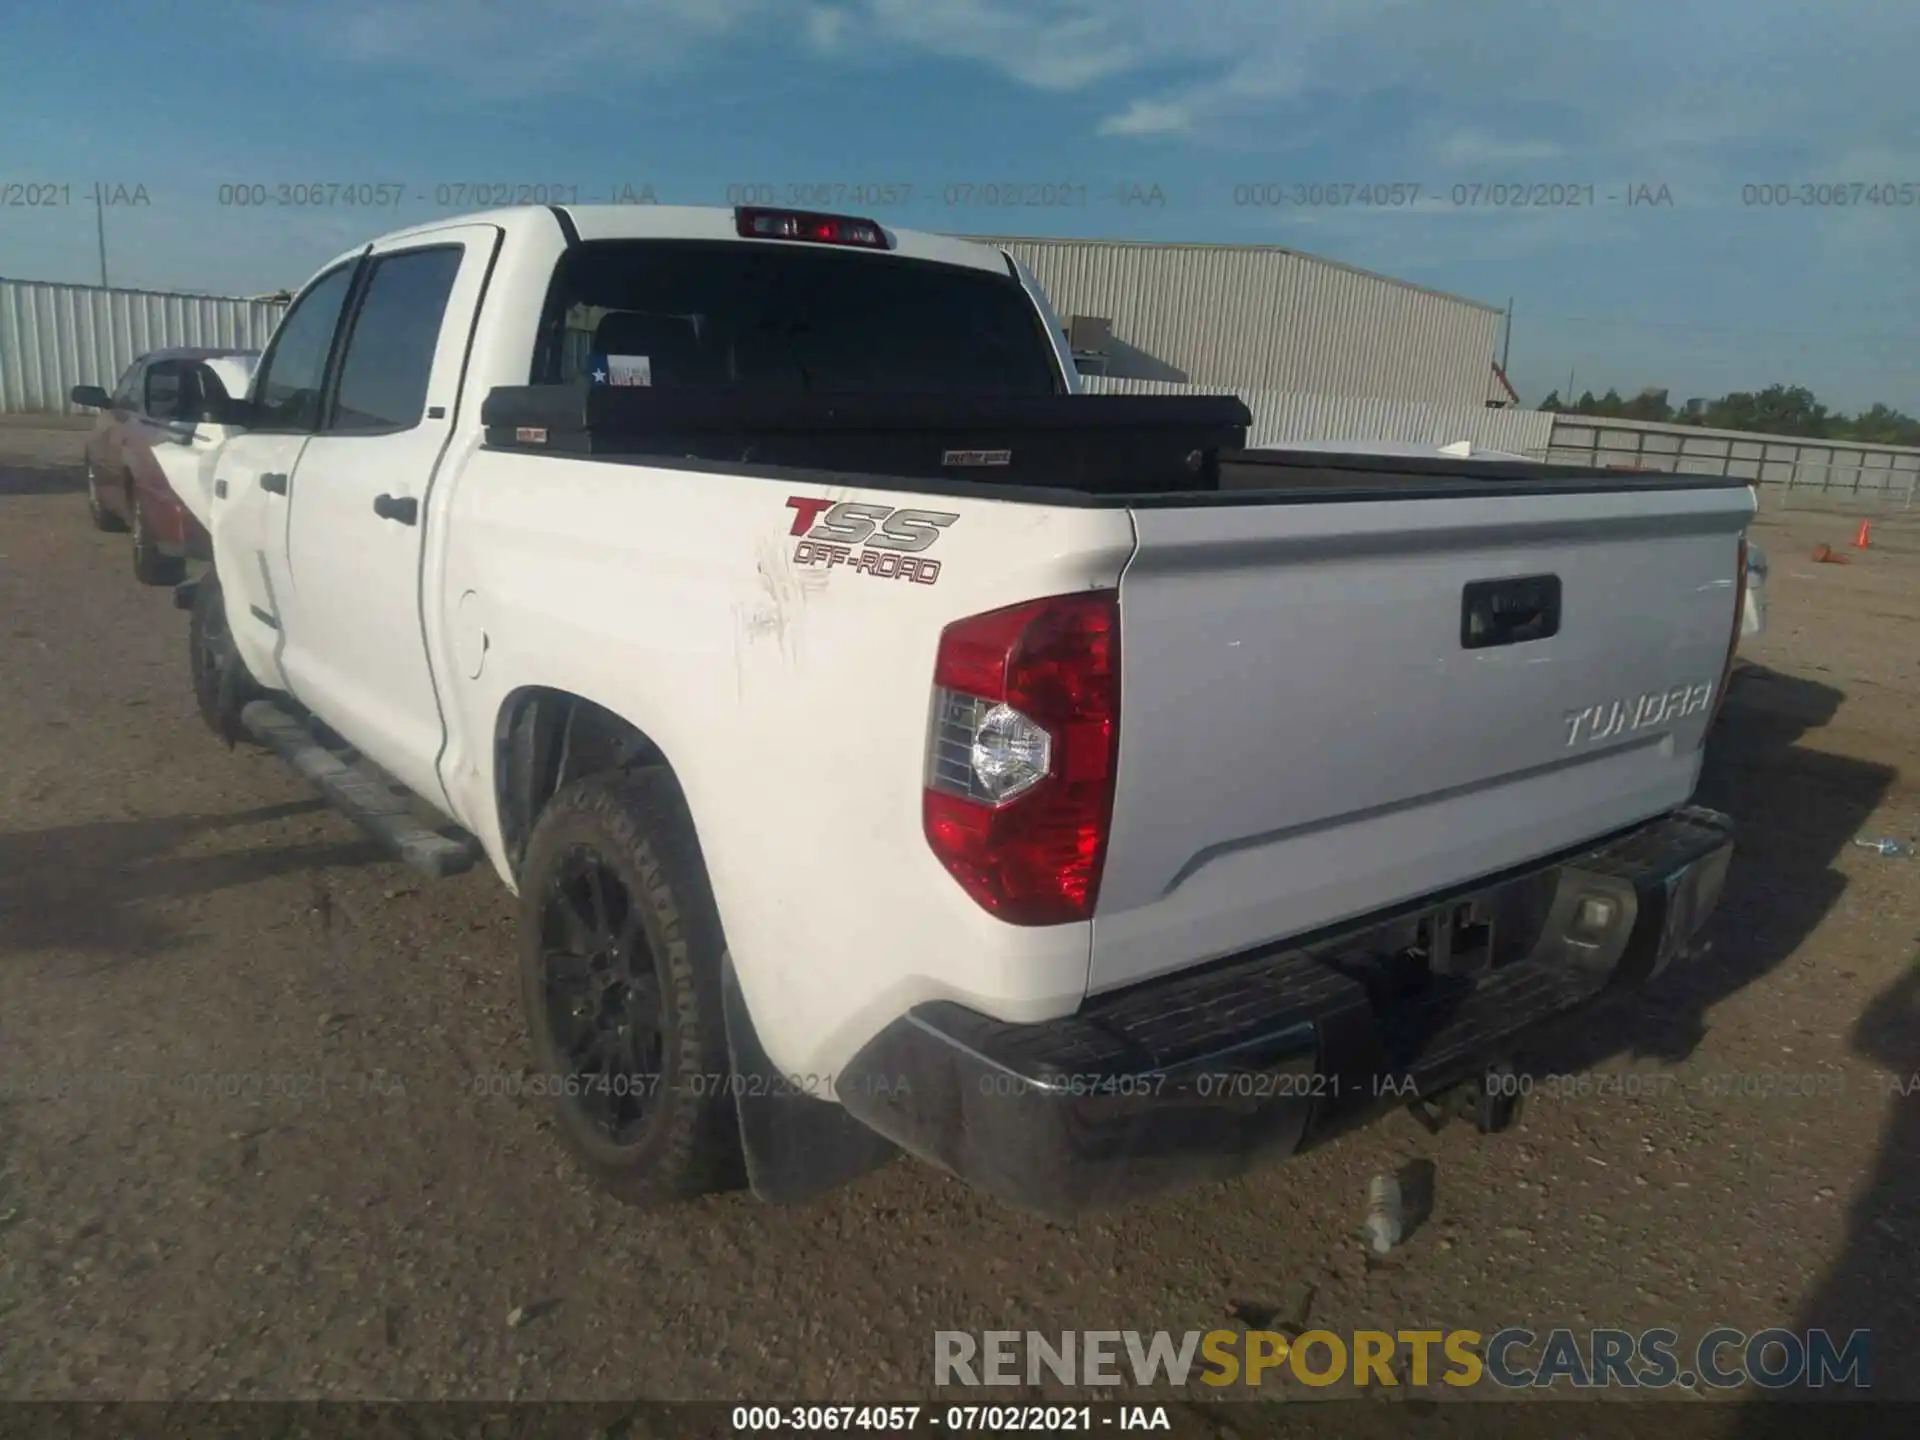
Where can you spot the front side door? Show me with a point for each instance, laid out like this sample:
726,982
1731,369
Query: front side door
356,650
157,435
182,444
109,459
252,474
186,454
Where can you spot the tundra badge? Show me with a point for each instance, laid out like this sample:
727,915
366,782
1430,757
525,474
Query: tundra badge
1622,717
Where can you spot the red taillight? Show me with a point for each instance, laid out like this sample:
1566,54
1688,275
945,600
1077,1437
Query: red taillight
1739,623
1021,759
754,223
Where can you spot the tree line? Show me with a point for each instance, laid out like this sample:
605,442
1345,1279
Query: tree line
1777,410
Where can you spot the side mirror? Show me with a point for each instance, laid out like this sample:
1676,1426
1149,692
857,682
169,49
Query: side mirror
92,396
233,413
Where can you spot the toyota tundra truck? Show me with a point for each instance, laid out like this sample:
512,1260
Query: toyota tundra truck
892,748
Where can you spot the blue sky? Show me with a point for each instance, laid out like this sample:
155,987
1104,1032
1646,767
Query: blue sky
1108,98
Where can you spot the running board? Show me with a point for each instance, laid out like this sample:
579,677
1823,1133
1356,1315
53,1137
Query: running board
361,791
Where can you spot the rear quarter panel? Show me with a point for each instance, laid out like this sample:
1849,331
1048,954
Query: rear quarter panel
104,449
165,514
792,699
139,473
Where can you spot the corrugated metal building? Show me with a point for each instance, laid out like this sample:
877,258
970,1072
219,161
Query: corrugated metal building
1264,317
53,337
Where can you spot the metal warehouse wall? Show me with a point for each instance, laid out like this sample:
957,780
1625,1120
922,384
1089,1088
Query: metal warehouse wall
1279,417
1839,469
1274,319
53,337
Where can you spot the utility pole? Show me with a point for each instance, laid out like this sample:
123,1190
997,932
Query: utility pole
1506,343
100,230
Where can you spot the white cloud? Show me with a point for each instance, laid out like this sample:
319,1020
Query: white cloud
1639,88
507,48
1055,45
1465,149
1148,117
826,27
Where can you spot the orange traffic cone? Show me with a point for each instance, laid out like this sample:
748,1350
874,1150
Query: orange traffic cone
1864,538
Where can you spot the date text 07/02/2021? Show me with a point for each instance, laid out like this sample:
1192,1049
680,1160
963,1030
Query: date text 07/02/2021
957,1419
1465,195
534,1084
950,195
1783,1086
441,195
43,193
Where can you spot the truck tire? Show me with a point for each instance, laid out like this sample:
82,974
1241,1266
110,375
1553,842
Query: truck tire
222,685
620,962
102,518
150,566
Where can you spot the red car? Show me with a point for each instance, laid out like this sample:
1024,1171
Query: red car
148,433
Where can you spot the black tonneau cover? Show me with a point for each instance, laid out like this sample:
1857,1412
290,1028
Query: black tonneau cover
1098,444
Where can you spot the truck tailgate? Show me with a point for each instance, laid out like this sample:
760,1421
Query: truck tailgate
1307,735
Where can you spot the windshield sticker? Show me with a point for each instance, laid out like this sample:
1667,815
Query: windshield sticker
622,370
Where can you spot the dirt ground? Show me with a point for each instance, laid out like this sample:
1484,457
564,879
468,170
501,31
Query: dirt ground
171,913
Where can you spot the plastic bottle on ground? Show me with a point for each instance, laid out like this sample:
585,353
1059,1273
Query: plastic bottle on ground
1884,847
1385,1222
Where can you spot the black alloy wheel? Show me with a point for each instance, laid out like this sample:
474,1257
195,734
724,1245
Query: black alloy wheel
604,995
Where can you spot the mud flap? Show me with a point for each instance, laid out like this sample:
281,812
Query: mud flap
229,703
796,1147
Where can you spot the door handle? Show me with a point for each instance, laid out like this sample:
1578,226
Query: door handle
275,482
219,489
1509,612
403,508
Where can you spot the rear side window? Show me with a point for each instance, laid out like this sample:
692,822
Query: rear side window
200,387
390,349
709,315
287,389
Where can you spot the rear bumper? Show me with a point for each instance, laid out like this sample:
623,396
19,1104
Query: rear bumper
1753,616
1199,1075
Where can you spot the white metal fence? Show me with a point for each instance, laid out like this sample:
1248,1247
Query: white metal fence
1279,416
53,337
1788,471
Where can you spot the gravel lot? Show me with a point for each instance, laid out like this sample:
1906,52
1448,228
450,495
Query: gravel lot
169,909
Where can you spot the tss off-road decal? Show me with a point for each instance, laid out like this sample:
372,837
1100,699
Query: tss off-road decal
875,540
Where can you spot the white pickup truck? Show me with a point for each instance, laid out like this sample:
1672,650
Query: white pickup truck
893,748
